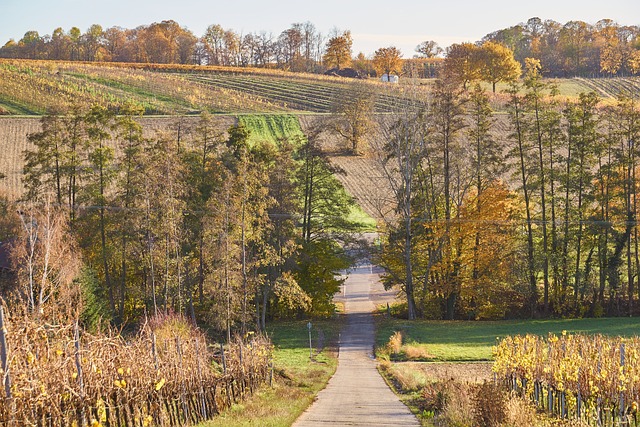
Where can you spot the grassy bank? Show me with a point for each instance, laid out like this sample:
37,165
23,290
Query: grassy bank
472,341
453,391
296,380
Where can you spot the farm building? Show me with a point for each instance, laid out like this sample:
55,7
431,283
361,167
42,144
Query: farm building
390,78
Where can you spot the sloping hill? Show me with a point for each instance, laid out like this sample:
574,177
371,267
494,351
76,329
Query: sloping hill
14,141
32,87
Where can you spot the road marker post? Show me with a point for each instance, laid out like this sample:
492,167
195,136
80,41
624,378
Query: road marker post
310,348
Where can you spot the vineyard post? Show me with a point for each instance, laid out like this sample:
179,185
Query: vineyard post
4,351
622,408
599,399
154,351
579,409
310,347
202,396
76,338
224,362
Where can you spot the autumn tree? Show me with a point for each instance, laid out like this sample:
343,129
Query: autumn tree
429,49
353,116
488,166
497,64
338,51
461,63
387,60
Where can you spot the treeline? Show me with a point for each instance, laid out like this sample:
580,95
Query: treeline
575,48
299,48
199,220
537,221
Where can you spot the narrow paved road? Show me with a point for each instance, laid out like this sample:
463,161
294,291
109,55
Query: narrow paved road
357,395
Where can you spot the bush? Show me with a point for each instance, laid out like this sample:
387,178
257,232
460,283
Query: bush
488,405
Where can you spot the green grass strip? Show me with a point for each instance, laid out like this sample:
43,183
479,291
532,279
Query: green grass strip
473,340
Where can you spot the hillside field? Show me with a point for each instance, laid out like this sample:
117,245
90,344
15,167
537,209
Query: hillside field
32,87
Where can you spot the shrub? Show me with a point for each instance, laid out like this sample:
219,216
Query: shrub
488,405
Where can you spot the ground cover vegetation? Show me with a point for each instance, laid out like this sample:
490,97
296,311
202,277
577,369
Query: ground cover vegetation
297,376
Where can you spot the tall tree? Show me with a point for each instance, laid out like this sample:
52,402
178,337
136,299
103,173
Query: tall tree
338,51
498,64
428,49
522,152
387,60
402,147
353,115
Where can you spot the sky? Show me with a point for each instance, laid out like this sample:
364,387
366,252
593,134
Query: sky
373,23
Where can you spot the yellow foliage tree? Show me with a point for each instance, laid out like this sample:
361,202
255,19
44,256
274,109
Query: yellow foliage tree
498,64
461,63
338,51
387,60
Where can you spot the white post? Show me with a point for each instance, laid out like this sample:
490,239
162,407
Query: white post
310,348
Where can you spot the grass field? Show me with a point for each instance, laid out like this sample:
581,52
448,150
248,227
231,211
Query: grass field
456,341
297,378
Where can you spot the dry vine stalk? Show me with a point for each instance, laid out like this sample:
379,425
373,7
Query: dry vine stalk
61,376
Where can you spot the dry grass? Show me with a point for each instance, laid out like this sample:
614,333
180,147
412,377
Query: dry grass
452,395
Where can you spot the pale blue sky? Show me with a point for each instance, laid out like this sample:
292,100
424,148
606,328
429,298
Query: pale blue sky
373,23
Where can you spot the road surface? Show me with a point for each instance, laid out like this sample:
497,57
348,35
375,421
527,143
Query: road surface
357,395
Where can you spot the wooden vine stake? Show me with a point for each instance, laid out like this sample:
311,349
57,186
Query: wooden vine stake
4,352
78,360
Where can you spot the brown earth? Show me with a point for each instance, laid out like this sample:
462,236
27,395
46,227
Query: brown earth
14,132
362,176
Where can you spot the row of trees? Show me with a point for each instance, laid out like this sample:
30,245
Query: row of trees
299,48
541,221
194,220
575,48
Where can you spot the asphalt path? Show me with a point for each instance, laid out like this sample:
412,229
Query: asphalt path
357,395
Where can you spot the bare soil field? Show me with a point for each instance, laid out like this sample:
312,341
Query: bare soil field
362,176
14,141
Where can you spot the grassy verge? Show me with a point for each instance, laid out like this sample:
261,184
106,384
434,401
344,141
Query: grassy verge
297,379
452,391
362,220
472,341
